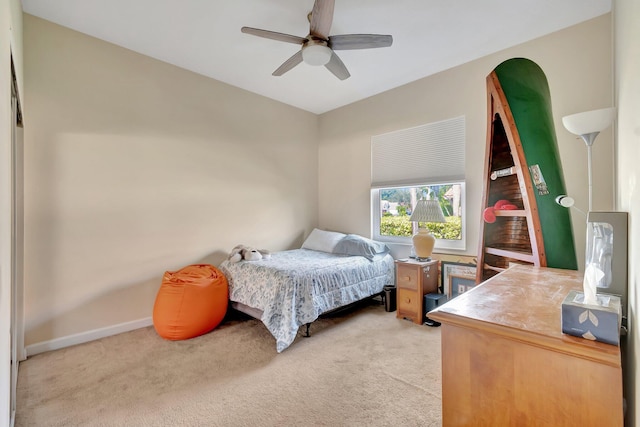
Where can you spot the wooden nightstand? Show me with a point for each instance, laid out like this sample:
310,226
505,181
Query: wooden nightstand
414,279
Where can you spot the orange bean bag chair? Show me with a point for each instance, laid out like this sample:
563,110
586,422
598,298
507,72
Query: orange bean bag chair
191,301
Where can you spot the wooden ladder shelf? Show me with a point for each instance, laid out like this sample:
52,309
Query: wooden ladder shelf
515,235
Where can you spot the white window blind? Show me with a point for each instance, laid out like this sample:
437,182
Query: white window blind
431,153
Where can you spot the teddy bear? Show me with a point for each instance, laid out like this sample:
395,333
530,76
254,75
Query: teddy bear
247,253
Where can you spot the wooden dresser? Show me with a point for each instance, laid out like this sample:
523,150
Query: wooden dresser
505,360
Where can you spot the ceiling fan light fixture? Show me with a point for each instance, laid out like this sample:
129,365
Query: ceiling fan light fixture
316,54
318,47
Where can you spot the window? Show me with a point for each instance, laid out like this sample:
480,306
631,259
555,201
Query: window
424,162
392,209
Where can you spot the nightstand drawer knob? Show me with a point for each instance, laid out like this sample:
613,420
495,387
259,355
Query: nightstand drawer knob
407,300
407,278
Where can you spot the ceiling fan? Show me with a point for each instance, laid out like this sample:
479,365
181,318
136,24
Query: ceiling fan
318,47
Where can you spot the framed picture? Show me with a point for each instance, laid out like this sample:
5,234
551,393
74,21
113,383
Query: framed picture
456,274
460,284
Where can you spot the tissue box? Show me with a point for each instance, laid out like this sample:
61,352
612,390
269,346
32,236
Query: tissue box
594,322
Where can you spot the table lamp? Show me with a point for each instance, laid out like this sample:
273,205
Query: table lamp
423,241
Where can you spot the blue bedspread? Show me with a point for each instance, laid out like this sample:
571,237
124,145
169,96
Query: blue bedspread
294,287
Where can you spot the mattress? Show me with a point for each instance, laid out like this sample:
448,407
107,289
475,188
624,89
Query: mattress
293,288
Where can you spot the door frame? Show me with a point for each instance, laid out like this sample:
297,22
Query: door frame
17,241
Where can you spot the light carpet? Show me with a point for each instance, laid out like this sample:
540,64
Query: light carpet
362,367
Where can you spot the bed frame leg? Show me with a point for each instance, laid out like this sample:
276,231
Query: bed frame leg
307,334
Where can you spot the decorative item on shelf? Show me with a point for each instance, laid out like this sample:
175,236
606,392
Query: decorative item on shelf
588,125
502,172
423,241
489,214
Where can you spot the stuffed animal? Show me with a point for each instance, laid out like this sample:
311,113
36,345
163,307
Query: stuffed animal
247,253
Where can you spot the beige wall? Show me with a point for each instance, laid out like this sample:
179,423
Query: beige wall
578,82
627,89
134,167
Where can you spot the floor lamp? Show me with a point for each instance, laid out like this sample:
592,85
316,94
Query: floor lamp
588,125
598,271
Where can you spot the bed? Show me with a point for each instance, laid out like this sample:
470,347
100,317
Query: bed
293,288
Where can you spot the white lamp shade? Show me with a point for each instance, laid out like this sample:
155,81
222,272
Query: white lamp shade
316,54
427,211
589,121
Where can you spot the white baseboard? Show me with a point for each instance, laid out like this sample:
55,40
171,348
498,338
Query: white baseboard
84,337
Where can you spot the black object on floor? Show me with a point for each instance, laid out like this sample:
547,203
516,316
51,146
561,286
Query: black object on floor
389,297
431,322
432,301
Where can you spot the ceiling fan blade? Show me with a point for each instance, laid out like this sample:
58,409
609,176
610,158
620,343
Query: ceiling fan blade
288,64
359,41
273,35
321,18
337,67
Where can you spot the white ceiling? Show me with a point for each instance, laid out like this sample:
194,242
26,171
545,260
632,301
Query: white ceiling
204,36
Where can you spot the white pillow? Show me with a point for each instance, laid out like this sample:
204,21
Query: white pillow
321,240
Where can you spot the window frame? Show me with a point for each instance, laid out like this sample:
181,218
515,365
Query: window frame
441,244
